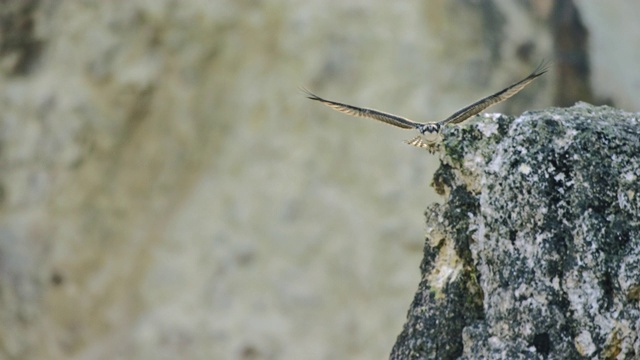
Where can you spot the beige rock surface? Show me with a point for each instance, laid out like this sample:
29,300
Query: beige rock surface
168,193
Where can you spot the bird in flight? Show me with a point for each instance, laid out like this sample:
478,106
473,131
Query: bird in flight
429,136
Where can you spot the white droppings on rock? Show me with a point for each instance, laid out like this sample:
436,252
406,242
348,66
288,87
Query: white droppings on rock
488,128
566,140
496,163
524,169
622,200
629,176
584,344
493,116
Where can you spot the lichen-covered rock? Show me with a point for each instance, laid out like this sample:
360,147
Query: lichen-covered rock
536,252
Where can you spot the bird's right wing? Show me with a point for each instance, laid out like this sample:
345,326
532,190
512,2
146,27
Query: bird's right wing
364,112
475,108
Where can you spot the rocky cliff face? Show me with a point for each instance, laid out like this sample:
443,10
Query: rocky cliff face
166,192
535,254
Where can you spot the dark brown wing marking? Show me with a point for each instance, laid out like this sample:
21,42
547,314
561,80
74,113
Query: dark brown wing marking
475,108
364,112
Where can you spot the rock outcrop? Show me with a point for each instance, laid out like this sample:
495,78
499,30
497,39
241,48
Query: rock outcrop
536,252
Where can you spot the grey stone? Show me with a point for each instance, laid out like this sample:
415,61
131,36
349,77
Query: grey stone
535,253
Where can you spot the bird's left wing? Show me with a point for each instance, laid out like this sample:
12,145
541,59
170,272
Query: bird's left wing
364,112
475,108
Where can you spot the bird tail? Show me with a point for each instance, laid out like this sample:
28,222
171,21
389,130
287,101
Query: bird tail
418,141
421,143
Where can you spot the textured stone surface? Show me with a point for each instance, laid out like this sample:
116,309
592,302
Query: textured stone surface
535,254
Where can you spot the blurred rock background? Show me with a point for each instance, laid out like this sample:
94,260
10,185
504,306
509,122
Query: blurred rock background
166,192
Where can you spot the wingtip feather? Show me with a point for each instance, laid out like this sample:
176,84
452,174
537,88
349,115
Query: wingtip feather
306,92
542,68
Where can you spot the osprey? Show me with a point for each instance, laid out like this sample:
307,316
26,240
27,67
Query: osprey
430,132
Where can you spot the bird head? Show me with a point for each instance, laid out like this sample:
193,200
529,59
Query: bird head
430,131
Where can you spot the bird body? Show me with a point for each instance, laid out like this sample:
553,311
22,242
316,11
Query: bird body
429,133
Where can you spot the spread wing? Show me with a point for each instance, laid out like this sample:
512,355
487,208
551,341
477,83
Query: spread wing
475,108
364,112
